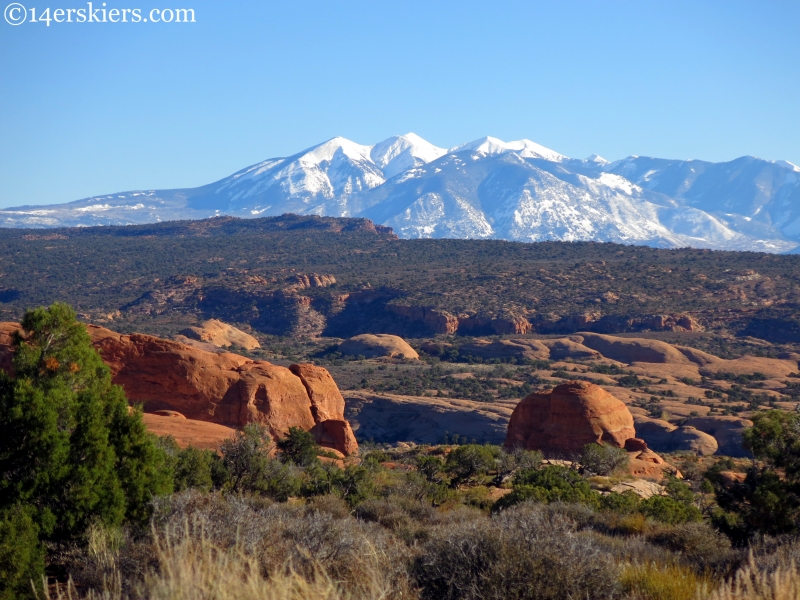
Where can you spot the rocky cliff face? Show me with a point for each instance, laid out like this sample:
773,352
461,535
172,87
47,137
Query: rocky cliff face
222,388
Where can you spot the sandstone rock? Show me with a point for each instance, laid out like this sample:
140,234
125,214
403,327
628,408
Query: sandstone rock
505,349
635,445
648,464
439,321
572,415
389,418
569,348
169,413
378,345
665,437
222,335
223,388
477,324
641,487
188,432
336,434
631,350
728,431
729,479
326,399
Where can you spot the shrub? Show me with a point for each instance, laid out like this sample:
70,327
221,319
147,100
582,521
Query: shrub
430,466
193,469
299,447
522,553
465,463
246,456
603,459
701,547
551,484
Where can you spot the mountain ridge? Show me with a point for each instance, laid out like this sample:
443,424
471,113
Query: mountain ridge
485,189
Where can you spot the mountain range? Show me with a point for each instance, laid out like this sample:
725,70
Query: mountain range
483,189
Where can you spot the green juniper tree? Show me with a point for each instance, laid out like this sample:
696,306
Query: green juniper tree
71,451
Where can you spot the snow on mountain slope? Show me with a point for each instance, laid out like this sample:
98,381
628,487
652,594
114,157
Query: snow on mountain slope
487,188
525,148
403,152
754,196
506,196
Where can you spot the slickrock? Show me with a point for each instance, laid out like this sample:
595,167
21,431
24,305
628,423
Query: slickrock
728,431
222,335
222,388
521,349
572,415
377,346
426,420
188,432
662,436
641,487
631,350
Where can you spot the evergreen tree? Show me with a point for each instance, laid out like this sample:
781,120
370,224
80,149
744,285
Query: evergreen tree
70,448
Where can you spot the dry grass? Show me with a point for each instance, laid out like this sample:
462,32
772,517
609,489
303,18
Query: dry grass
753,583
649,581
196,569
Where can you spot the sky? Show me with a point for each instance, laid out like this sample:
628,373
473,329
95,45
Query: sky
96,108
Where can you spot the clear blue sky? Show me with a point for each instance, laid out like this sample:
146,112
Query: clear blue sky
89,109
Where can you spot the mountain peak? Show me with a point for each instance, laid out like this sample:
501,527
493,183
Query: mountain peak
525,148
596,158
400,153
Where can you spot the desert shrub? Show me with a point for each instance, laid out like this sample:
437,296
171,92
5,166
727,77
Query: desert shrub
246,456
331,504
648,581
21,554
354,483
625,503
669,510
769,500
299,447
511,460
465,463
677,507
603,459
193,469
430,466
551,484
700,547
522,553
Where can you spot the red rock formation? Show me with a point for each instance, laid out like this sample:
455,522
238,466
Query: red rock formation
221,388
572,415
438,320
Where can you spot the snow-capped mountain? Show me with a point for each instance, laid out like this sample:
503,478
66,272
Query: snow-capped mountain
488,188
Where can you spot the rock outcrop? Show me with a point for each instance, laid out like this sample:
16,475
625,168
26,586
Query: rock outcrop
222,335
379,345
567,418
426,420
631,350
662,436
188,432
222,388
728,431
